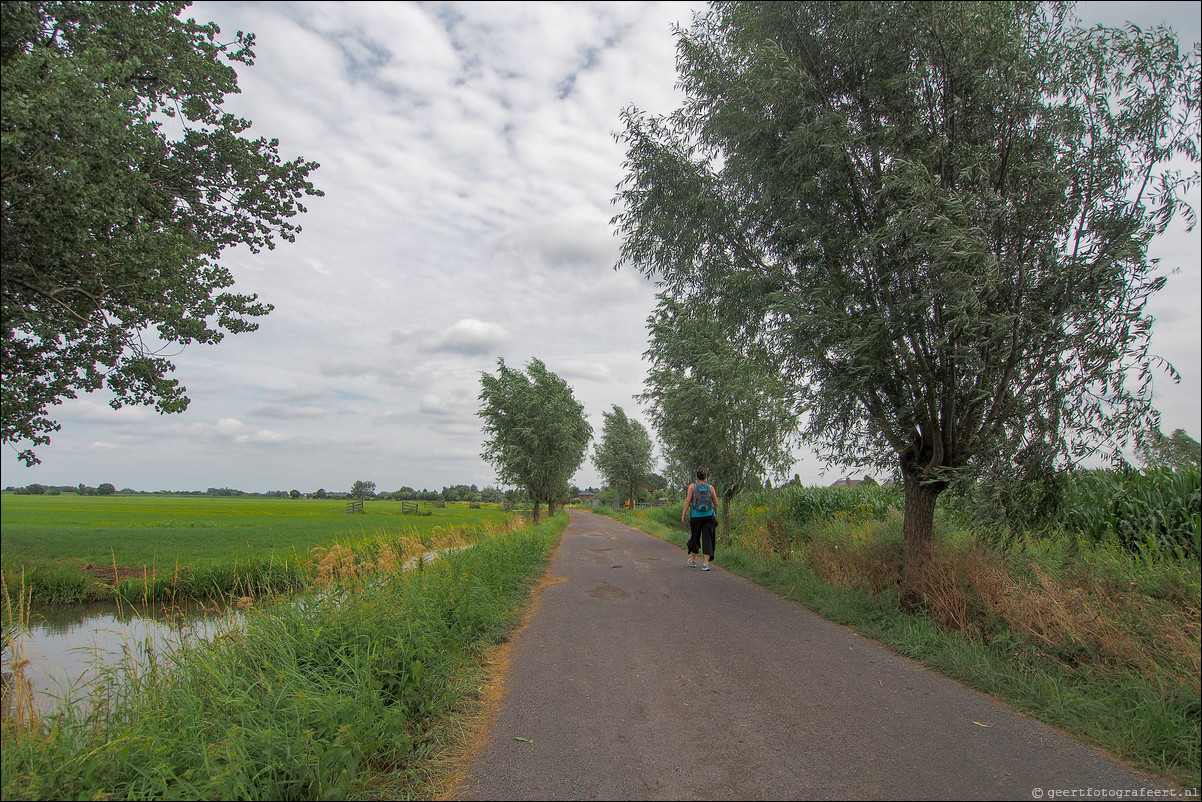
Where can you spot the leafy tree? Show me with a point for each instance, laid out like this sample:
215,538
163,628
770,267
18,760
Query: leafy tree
105,489
363,490
715,403
461,493
492,495
624,455
934,215
1178,451
124,181
536,431
294,494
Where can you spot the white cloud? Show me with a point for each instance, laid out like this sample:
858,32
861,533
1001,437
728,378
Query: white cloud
576,239
470,336
280,410
469,165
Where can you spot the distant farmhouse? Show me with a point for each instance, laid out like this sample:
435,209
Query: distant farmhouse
847,481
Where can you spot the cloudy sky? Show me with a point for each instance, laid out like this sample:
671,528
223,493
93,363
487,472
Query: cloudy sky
468,160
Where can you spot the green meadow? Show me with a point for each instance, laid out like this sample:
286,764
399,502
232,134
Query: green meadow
59,548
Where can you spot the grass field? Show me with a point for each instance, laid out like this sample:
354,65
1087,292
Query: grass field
55,541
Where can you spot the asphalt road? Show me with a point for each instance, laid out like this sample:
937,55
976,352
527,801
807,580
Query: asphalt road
638,677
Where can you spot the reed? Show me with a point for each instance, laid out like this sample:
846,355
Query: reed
17,708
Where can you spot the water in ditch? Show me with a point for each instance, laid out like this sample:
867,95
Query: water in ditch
65,647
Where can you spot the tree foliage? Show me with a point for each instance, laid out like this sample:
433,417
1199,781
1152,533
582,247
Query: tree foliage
934,215
124,181
363,490
1179,450
536,432
716,402
624,457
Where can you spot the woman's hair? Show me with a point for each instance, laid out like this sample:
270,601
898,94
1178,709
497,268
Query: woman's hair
701,474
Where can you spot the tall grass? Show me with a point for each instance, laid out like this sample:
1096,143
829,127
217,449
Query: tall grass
331,693
1150,512
1158,510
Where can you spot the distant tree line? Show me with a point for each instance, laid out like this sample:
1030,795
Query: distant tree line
103,489
360,489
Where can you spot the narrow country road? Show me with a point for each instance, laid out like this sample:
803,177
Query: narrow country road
638,677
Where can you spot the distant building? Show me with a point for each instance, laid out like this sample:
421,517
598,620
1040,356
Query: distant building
847,481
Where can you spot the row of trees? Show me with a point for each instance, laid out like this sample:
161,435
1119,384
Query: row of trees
491,495
360,490
36,489
537,437
914,233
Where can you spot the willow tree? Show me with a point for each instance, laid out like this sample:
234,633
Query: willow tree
935,214
1158,450
536,432
715,401
124,181
624,457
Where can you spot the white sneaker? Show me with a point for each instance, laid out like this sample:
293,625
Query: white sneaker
692,563
705,567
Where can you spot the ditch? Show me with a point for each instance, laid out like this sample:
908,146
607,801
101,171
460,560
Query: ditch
64,649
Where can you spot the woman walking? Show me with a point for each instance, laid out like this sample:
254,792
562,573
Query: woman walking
701,514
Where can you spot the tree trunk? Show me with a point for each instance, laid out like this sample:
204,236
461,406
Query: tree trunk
917,522
725,522
550,508
536,510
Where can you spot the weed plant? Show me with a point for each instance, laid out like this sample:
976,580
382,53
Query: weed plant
338,691
1088,636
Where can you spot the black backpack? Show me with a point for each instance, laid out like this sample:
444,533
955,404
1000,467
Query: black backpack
703,499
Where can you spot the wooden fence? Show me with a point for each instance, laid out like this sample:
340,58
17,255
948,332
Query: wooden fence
354,506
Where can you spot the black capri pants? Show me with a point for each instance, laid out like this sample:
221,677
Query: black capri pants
702,530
